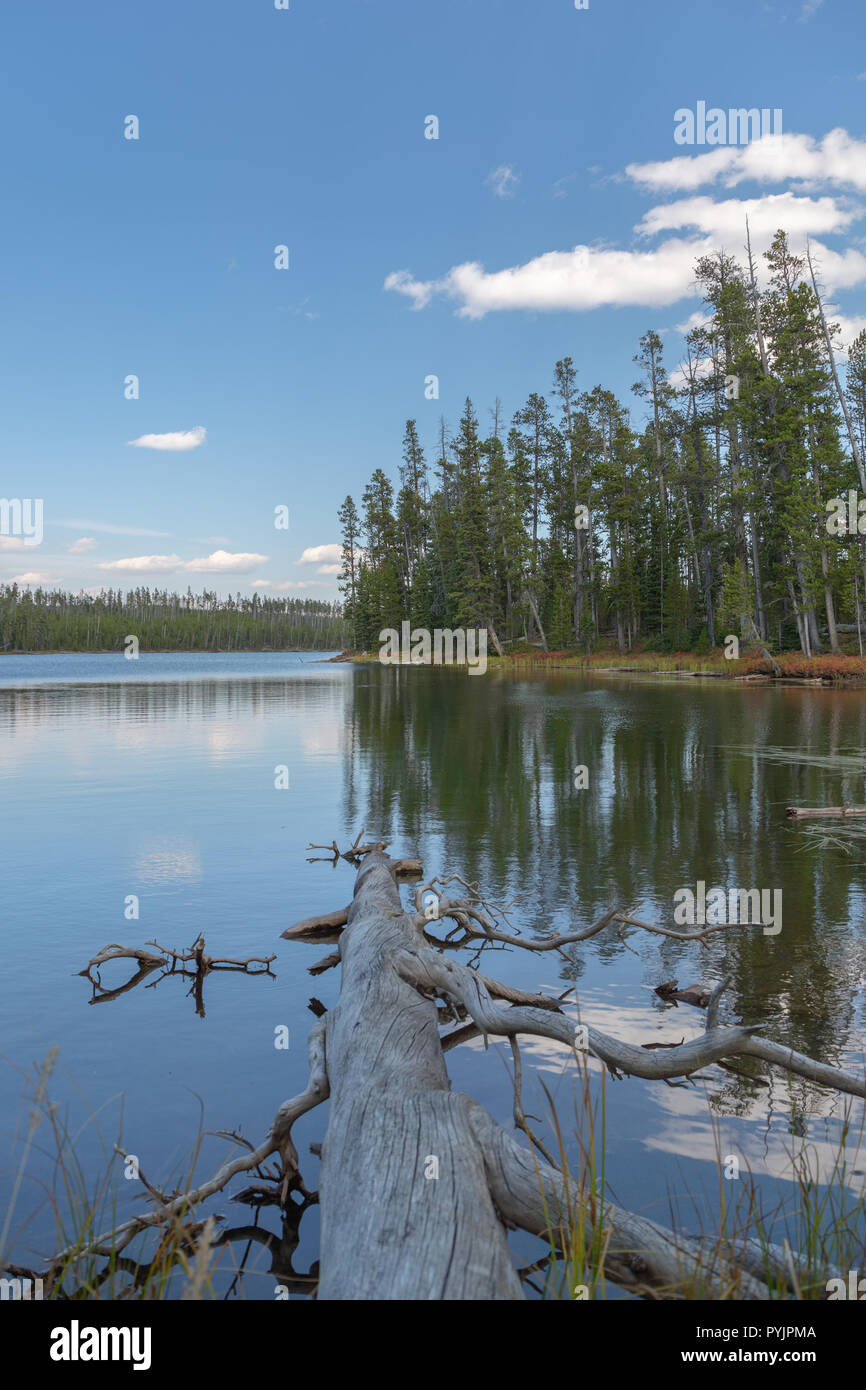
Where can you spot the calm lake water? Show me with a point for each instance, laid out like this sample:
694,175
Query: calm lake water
156,778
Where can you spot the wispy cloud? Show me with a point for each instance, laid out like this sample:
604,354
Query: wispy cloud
559,187
809,8
419,291
502,181
299,310
178,442
81,547
696,320
108,529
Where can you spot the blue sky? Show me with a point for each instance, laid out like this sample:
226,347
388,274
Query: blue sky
306,127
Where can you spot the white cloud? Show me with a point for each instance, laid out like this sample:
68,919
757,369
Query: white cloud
32,577
696,320
583,278
502,180
179,441
850,327
810,7
145,564
290,584
589,277
329,569
416,290
14,543
726,220
81,547
221,562
838,270
683,374
838,159
322,555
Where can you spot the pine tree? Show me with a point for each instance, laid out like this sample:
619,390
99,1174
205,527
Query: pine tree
350,524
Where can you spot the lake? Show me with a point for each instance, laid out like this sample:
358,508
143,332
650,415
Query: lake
155,780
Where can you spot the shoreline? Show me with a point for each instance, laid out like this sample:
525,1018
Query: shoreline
175,651
826,672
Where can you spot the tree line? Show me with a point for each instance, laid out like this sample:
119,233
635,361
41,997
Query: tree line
572,525
51,620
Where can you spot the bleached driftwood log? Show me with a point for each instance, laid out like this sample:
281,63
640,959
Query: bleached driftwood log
418,1184
389,1229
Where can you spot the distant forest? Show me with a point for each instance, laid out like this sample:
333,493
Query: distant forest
45,620
572,526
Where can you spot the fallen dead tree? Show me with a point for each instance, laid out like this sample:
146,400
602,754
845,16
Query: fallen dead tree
418,1184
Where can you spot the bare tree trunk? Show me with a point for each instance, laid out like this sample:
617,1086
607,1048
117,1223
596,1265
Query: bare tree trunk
829,606
418,1183
802,629
497,645
759,588
531,601
394,1121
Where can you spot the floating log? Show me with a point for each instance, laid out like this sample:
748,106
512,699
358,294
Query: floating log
825,812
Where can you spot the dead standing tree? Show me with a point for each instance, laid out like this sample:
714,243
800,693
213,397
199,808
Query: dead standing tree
389,1231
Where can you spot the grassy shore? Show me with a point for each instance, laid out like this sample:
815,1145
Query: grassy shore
818,1226
825,669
